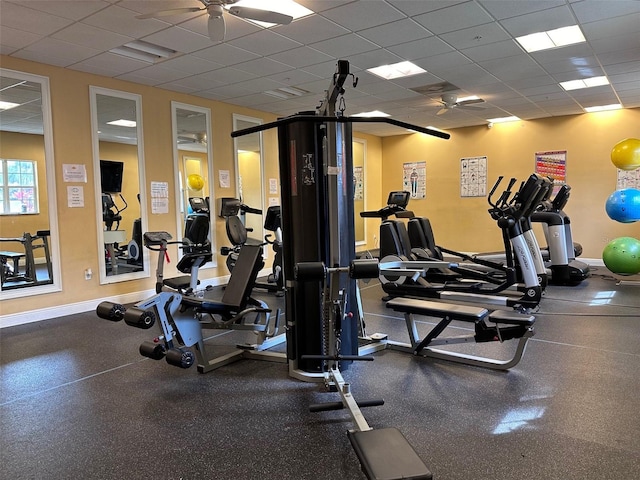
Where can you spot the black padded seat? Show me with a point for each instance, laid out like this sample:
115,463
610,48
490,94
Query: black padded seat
385,454
438,309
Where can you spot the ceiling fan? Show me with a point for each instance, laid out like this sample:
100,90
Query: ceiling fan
450,101
216,10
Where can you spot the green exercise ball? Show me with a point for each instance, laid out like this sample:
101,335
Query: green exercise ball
626,154
622,256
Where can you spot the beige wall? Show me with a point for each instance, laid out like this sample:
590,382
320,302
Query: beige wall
464,224
73,145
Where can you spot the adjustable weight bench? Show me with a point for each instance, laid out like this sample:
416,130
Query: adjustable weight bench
495,326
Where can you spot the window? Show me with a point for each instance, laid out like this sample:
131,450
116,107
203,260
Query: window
18,187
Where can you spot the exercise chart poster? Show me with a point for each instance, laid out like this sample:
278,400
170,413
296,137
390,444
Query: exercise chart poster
628,179
473,177
553,165
358,183
414,179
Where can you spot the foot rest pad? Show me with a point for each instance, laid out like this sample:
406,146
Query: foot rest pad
385,454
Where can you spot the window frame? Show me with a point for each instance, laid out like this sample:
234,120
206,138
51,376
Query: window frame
6,187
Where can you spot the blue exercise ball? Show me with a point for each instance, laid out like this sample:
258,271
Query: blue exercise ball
624,205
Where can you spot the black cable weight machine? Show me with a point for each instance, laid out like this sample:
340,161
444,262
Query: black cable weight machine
316,175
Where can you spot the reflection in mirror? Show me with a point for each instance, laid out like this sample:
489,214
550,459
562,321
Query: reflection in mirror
249,174
119,172
193,167
359,153
28,216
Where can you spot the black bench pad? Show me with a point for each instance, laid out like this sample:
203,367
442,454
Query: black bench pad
385,454
511,318
438,309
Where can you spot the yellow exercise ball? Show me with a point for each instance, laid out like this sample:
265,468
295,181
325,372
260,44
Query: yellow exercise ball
626,154
195,181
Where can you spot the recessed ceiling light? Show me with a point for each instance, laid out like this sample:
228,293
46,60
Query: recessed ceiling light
396,70
602,108
8,105
503,119
584,83
122,123
288,7
559,37
373,113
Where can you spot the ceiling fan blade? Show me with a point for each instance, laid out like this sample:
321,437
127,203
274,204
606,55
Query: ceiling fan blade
471,102
217,28
165,13
442,111
260,15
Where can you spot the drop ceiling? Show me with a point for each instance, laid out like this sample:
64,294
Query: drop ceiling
468,44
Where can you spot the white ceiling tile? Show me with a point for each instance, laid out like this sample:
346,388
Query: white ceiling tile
225,54
223,76
73,10
513,68
360,15
500,9
179,39
374,58
322,5
262,66
394,33
624,56
539,21
595,10
292,77
343,47
301,57
489,33
91,36
442,63
41,57
264,42
426,47
19,17
416,7
65,52
456,17
311,29
504,49
17,38
109,64
190,64
122,21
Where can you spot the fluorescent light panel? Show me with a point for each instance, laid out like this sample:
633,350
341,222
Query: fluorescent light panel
584,83
122,123
603,108
373,113
503,119
559,37
288,7
8,105
396,70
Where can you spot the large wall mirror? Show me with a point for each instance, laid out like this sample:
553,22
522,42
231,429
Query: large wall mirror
250,174
193,168
29,248
118,160
359,195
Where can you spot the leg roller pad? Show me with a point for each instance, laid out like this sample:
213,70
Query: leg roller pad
110,311
385,454
155,351
136,317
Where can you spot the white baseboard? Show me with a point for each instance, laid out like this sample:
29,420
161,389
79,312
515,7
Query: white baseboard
30,316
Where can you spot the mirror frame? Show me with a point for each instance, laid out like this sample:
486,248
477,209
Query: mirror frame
93,93
50,169
258,121
176,175
364,190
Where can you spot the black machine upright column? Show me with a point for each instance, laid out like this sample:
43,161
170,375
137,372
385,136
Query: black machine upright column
316,172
